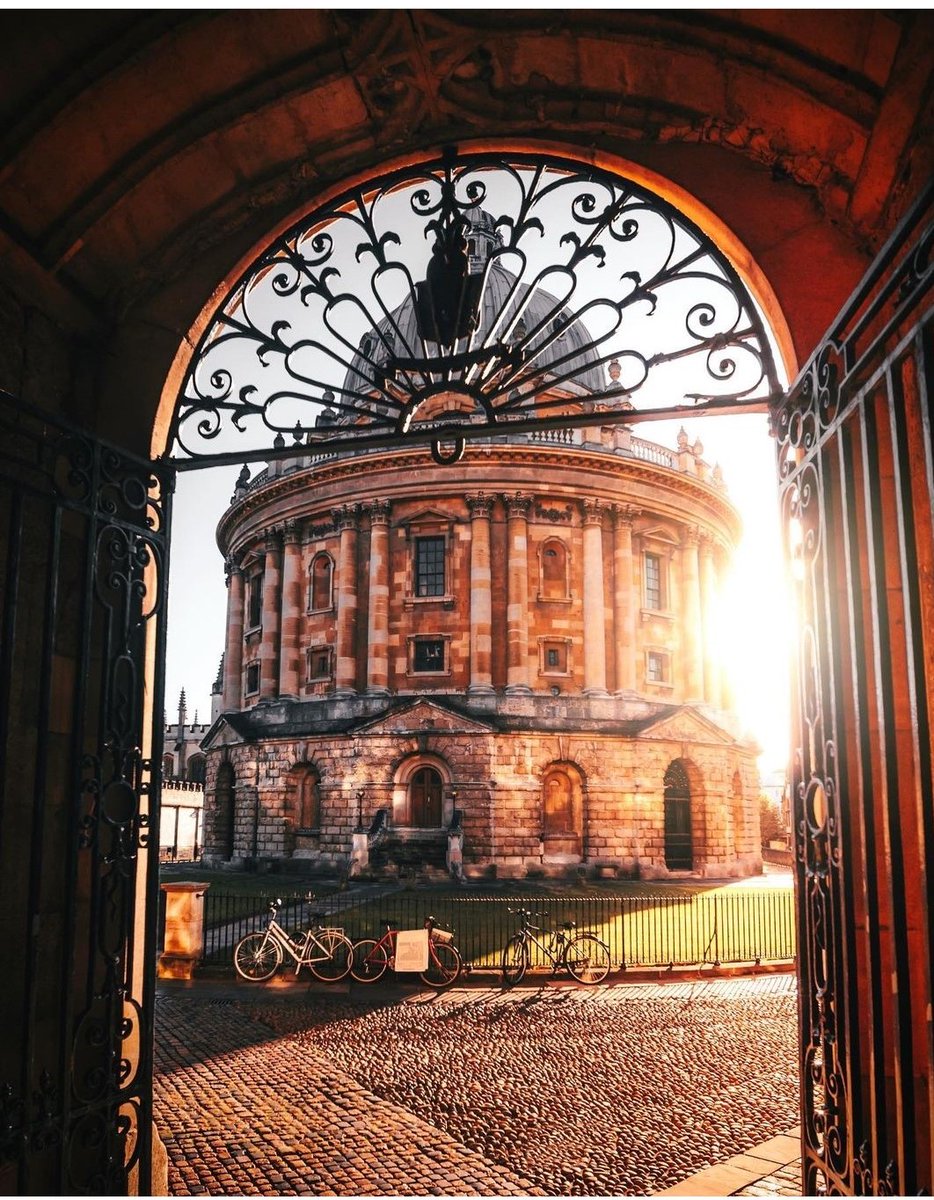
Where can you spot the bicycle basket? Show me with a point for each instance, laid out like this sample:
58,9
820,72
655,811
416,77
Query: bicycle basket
442,935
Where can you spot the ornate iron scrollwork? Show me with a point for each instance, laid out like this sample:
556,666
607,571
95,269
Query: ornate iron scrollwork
96,519
443,301
864,381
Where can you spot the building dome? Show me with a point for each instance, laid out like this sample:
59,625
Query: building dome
563,346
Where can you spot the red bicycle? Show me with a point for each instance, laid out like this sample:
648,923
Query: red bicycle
372,959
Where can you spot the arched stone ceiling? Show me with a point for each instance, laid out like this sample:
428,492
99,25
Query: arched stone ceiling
142,154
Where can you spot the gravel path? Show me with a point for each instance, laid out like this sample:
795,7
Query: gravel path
556,1091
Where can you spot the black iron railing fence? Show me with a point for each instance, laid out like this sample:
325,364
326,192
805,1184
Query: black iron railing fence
727,926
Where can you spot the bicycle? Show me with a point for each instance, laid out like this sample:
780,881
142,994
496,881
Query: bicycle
583,955
326,952
372,958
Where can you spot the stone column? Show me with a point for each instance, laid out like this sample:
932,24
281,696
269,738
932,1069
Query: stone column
292,595
345,679
377,662
272,607
624,599
709,603
727,698
517,592
233,651
691,617
481,596
594,610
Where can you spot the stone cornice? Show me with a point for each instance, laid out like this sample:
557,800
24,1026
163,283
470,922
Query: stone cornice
599,465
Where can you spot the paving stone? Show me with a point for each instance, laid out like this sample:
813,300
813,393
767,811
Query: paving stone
543,1091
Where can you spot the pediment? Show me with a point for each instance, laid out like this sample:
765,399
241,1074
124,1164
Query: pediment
687,725
427,516
221,733
659,533
423,716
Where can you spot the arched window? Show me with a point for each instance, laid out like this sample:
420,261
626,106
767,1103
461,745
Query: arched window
224,804
195,768
168,766
309,801
557,804
320,577
425,788
679,849
554,568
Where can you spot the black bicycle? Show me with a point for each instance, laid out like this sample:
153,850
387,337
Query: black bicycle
583,955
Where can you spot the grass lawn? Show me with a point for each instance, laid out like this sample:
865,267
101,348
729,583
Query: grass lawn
643,923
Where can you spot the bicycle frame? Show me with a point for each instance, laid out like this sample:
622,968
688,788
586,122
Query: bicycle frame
554,950
388,943
299,952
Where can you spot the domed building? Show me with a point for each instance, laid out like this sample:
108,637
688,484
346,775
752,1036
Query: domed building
503,667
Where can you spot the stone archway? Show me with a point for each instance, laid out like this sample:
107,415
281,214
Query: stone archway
562,801
421,797
679,833
103,274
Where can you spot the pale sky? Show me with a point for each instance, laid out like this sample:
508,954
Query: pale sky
755,629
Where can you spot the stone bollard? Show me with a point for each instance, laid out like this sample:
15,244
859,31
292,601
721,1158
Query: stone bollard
359,854
184,929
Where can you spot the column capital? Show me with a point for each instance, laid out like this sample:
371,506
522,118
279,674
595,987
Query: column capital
690,535
593,512
232,566
707,541
479,504
347,516
272,537
378,512
517,504
626,514
292,532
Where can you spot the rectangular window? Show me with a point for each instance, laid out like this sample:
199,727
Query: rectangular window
252,679
428,654
656,667
255,606
554,657
319,663
653,581
429,566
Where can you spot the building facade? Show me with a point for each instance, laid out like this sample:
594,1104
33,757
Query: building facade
519,652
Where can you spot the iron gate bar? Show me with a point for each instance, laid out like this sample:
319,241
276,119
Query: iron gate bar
335,314
84,527
855,463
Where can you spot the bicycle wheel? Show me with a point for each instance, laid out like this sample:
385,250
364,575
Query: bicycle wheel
340,956
515,961
257,957
444,966
587,958
369,961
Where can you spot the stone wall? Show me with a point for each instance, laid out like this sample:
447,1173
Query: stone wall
497,780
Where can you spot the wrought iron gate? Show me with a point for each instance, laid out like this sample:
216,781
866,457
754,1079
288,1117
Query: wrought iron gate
857,490
84,526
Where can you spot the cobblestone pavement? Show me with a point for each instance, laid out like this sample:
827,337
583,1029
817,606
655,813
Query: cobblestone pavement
541,1091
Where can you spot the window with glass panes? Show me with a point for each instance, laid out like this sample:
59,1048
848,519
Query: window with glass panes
255,604
656,667
428,655
429,566
653,581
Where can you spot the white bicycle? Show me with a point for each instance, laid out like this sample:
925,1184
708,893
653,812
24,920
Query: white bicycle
326,951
